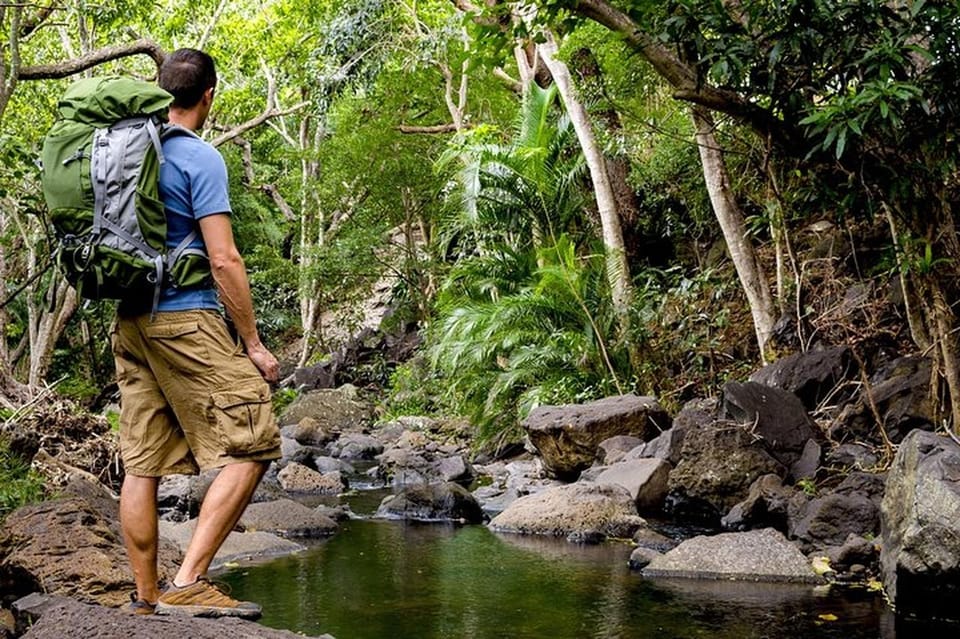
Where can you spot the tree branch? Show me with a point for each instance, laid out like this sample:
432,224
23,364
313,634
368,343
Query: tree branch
29,26
92,59
255,122
683,77
436,128
269,189
510,82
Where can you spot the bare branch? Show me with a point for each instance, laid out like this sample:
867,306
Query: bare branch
255,122
210,25
436,128
510,82
269,189
71,67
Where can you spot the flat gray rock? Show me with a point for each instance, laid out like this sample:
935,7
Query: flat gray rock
239,546
757,555
286,518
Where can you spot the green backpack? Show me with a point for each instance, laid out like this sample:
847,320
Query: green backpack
101,168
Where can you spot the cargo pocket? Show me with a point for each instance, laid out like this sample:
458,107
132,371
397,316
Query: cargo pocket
180,345
244,418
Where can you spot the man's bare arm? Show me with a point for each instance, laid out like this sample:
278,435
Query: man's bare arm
230,277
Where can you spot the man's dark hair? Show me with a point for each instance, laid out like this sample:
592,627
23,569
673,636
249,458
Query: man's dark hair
186,74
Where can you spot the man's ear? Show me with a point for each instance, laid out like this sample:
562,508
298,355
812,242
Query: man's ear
208,96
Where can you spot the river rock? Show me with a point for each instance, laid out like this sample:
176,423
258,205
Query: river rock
286,518
811,375
336,410
434,502
855,550
576,509
327,464
851,456
356,446
52,617
72,545
567,437
644,479
179,496
641,557
900,391
757,555
776,416
668,445
239,546
297,478
719,464
920,522
766,506
829,519
310,431
612,450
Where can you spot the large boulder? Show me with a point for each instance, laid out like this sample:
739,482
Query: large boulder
810,375
576,511
899,392
333,410
433,502
776,416
718,465
757,555
51,617
286,518
828,520
920,527
297,478
567,437
73,546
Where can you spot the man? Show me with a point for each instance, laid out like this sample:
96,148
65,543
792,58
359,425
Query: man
192,397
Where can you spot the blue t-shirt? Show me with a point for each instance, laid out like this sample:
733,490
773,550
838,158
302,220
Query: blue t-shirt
193,184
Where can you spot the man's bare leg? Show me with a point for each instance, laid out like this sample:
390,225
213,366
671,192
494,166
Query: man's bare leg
224,503
138,519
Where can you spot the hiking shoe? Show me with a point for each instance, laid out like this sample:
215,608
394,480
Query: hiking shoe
139,606
204,599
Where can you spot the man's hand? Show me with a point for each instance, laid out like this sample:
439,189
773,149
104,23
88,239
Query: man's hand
265,362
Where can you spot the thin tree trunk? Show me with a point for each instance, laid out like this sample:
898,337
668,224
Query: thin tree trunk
618,272
734,229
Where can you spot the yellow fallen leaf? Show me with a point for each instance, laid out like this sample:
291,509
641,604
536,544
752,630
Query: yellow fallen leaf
231,564
827,617
874,585
821,565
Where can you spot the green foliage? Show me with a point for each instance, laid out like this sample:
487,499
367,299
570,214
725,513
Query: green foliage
283,397
694,330
415,389
503,356
19,485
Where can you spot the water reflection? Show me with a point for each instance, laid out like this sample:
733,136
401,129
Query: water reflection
379,579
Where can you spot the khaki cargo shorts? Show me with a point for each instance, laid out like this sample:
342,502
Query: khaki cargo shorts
190,397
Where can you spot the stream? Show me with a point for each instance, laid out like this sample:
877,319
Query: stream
380,579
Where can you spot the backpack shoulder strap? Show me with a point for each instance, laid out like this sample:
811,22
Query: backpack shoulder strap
169,130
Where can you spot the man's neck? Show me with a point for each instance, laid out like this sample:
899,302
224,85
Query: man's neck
187,118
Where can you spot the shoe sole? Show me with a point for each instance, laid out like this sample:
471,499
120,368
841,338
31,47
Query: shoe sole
206,611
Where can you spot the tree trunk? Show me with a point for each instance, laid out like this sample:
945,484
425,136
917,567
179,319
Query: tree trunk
734,229
618,272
